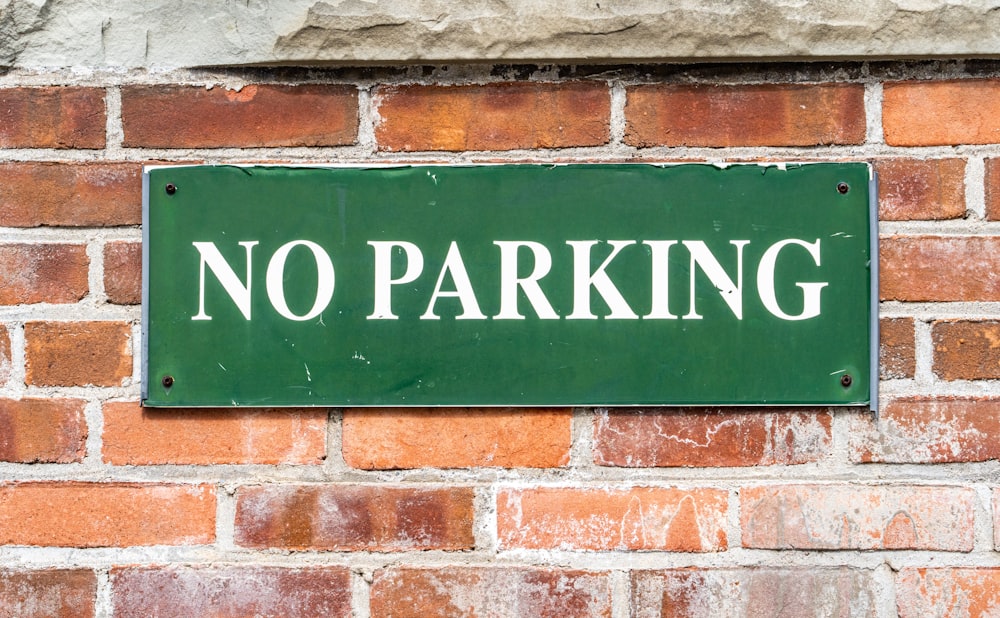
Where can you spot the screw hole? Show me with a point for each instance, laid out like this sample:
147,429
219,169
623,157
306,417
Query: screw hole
167,381
846,380
171,188
843,188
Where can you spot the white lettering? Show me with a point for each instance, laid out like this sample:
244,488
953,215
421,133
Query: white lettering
583,280
660,309
765,281
275,276
730,292
509,281
383,274
237,290
463,288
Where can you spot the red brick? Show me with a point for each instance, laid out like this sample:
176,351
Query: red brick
993,189
354,517
173,116
42,430
231,591
123,272
54,117
857,517
387,438
75,514
966,350
5,358
639,518
56,593
941,113
141,436
799,592
77,353
472,592
940,268
948,592
928,430
921,189
70,194
897,348
42,273
707,437
504,116
745,115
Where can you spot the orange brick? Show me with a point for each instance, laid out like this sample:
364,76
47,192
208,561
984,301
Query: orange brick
377,439
966,350
753,591
72,514
77,353
471,592
706,437
42,430
42,273
244,590
897,348
941,113
857,517
171,116
54,117
939,268
928,430
55,593
5,358
745,115
141,436
123,272
70,194
928,189
993,189
948,592
354,517
504,116
640,518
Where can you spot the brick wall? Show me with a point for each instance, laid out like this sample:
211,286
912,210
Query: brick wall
107,509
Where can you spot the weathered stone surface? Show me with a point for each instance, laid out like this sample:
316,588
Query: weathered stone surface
173,33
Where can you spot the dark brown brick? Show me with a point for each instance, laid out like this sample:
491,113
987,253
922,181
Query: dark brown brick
504,116
354,517
261,115
746,115
52,117
70,194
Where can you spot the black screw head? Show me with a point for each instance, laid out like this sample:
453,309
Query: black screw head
843,188
171,188
167,381
846,380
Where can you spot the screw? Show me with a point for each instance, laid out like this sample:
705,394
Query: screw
167,381
171,188
846,380
843,188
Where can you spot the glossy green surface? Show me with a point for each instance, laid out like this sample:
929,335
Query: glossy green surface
343,358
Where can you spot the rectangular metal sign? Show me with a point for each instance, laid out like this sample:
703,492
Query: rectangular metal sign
523,285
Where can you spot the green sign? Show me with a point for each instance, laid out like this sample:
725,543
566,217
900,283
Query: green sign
527,285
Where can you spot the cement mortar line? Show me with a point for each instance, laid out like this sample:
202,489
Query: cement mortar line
461,72
364,562
364,153
232,477
985,310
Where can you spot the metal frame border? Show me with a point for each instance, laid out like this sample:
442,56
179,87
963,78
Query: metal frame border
874,300
144,368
